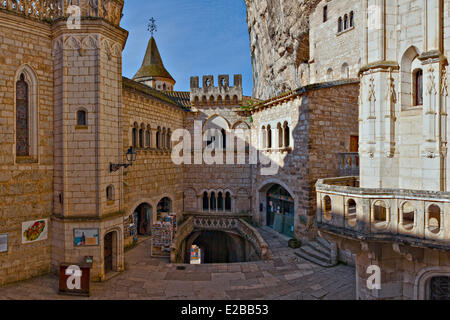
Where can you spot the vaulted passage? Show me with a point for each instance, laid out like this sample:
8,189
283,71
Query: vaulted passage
219,247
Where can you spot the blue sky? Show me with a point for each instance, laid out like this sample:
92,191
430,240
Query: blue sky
194,38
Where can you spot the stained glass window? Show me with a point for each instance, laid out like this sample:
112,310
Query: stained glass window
22,118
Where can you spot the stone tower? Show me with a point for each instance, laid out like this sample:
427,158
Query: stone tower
152,72
87,100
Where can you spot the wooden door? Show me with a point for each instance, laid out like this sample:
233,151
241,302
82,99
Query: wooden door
354,144
108,252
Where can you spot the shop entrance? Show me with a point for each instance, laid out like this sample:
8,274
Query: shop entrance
108,252
280,210
142,218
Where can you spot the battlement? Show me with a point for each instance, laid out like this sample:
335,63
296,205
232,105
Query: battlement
223,94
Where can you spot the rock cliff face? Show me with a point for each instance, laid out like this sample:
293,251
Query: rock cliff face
279,42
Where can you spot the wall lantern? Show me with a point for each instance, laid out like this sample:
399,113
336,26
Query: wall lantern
131,158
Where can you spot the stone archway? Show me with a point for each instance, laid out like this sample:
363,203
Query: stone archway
112,251
143,217
279,209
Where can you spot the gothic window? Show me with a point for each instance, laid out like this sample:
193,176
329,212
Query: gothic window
22,118
133,137
280,135
224,138
81,118
227,201
345,22
352,22
158,138
325,13
269,137
227,99
418,87
264,138
163,139
141,137
212,201
287,135
235,100
340,24
147,137
168,139
345,70
220,201
205,201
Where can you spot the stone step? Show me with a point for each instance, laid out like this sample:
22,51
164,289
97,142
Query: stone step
324,243
313,258
320,248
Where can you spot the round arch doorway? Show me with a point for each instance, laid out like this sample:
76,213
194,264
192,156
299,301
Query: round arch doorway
280,210
143,218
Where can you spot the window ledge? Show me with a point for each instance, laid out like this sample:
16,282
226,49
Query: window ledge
110,202
26,160
345,31
78,127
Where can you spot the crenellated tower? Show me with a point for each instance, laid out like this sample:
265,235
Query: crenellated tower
223,94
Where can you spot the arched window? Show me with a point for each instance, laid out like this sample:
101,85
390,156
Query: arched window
163,138
287,135
211,100
81,118
158,138
263,137
164,87
352,18
204,101
325,13
434,219
269,137
380,213
351,211
141,137
148,137
134,136
345,71
220,201
224,138
235,100
227,100
408,215
168,136
418,87
345,22
340,24
212,201
110,193
219,100
228,201
196,101
329,74
164,208
280,136
22,118
205,201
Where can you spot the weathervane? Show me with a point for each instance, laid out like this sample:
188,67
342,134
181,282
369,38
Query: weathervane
152,28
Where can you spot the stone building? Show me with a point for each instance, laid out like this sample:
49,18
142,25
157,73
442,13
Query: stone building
394,215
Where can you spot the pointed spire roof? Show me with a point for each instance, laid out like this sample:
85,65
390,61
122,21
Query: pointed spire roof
152,66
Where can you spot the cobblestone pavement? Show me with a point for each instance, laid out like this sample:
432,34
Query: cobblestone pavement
284,276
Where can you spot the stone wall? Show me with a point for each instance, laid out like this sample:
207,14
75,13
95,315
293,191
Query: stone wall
321,119
154,175
26,185
235,178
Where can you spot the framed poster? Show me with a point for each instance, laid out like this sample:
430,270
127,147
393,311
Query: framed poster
85,237
33,231
3,243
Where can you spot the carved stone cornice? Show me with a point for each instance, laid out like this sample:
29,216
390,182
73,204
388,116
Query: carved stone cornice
384,65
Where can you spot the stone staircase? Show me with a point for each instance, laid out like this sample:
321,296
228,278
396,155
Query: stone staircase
319,251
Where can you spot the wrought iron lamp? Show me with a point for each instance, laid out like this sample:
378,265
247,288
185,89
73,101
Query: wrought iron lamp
131,158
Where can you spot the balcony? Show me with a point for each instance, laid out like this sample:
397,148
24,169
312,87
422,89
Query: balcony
417,218
348,164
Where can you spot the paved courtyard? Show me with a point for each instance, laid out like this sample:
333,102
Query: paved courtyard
285,276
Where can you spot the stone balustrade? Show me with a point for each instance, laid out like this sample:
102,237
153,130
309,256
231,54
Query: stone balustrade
348,164
51,10
234,223
418,218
